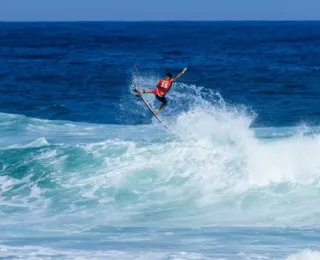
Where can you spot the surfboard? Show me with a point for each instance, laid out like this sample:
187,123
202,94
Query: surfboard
149,107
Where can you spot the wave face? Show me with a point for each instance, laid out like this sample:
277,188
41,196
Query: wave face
210,169
87,173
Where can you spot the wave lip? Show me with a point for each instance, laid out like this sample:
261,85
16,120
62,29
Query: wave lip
40,142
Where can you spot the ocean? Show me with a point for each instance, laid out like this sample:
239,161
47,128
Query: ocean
86,172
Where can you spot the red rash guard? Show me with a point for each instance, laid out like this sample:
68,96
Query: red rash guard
163,87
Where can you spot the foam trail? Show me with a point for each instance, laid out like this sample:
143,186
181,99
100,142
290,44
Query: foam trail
305,255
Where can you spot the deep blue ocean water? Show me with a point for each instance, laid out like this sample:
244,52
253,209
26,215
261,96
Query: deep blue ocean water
87,173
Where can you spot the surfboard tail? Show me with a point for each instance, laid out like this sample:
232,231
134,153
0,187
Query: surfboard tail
135,89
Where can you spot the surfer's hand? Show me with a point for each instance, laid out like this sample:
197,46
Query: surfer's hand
180,74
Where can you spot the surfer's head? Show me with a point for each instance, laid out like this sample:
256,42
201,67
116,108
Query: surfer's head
169,75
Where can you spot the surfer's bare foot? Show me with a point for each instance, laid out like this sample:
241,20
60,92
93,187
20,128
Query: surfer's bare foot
137,91
157,111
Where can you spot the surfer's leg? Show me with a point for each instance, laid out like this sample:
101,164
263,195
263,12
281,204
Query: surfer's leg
160,108
147,91
142,91
164,102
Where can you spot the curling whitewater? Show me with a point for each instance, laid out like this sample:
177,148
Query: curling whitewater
212,187
211,170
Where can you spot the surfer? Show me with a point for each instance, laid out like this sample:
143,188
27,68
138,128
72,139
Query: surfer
163,86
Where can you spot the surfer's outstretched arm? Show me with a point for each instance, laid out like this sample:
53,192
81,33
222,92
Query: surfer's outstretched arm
180,74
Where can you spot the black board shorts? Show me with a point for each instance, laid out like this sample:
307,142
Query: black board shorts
162,99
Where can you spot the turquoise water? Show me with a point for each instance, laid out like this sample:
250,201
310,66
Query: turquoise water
87,173
211,188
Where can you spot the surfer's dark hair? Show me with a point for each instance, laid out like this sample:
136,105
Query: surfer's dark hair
169,74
